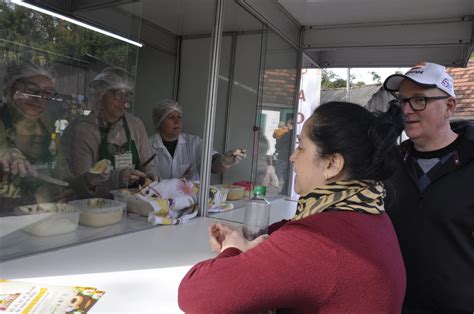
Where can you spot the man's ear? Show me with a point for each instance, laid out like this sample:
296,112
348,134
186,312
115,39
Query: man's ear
334,166
450,106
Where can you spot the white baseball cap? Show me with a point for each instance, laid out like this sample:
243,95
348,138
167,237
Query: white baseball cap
424,74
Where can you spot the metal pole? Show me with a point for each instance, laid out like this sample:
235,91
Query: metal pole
230,86
348,85
258,108
211,100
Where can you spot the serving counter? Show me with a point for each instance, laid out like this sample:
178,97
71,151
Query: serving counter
140,271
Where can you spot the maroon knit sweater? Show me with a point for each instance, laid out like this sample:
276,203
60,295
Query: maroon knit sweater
332,262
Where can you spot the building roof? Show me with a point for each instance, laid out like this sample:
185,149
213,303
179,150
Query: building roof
464,89
358,94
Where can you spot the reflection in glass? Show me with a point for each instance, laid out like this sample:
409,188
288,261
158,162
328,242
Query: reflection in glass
45,68
277,113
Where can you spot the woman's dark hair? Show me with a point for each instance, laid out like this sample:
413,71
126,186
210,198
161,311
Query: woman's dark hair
366,140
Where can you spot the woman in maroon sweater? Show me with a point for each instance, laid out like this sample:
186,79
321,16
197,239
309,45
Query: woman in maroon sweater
339,253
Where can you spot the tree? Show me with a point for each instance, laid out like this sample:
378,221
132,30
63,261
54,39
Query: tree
52,40
330,80
376,77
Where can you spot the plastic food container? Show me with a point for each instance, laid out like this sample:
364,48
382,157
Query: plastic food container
54,218
98,212
135,205
224,189
235,192
247,185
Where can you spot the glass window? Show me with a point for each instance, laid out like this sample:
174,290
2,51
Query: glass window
73,96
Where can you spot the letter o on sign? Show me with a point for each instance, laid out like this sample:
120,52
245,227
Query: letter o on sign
300,118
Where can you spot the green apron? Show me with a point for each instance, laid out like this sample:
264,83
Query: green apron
108,151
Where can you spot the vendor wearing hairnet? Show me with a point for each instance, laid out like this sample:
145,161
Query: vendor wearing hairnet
26,142
178,154
109,132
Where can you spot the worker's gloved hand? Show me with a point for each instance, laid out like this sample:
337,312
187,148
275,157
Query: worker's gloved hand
99,173
233,157
130,176
12,161
153,177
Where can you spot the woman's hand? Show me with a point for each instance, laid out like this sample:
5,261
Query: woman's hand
223,236
216,236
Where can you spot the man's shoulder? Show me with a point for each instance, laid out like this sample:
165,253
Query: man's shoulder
405,147
82,124
132,120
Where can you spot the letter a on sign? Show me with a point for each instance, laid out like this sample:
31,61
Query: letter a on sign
302,95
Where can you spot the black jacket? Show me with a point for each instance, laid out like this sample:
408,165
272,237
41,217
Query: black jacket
436,229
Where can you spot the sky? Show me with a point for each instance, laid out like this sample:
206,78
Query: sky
363,74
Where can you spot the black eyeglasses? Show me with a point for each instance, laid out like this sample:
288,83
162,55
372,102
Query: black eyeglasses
31,89
417,103
120,95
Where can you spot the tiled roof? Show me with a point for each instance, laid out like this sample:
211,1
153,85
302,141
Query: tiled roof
464,89
358,94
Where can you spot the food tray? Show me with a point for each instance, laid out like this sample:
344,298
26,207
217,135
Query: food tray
235,192
224,189
135,205
54,218
98,212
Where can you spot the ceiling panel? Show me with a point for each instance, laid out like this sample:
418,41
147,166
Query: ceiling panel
190,17
334,12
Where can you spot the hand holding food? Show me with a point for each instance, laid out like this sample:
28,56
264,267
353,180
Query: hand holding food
14,162
99,173
233,157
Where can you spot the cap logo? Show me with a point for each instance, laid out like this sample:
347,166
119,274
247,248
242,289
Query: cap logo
414,71
446,83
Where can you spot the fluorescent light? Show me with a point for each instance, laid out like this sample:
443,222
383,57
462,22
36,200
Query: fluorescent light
65,18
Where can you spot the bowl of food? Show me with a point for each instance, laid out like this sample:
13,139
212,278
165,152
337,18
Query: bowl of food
224,189
235,192
52,218
98,212
247,185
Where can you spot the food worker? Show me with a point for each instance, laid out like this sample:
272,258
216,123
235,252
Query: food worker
32,169
179,154
110,132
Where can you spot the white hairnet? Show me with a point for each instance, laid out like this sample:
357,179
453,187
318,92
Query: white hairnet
163,108
109,79
16,72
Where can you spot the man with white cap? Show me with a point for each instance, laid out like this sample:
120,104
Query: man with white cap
178,154
432,204
110,132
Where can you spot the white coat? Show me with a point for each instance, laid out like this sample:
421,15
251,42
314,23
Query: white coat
188,151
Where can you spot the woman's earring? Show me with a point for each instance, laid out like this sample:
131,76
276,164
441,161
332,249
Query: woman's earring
326,176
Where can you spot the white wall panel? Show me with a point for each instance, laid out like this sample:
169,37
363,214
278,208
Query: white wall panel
154,81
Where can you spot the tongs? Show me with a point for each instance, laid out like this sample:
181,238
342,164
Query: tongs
46,178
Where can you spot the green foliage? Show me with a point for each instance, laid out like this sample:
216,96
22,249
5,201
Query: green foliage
330,80
376,77
26,35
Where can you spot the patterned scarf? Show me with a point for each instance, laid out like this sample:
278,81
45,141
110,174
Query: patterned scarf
363,196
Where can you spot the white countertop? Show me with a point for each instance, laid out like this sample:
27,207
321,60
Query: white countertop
139,271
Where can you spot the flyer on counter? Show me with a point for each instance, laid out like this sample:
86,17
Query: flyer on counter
24,297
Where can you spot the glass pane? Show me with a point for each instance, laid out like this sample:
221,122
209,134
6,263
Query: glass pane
238,93
277,116
256,90
62,112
